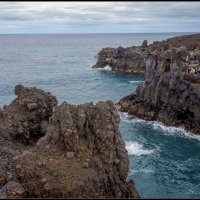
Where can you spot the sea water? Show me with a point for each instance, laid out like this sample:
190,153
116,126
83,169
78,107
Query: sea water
164,161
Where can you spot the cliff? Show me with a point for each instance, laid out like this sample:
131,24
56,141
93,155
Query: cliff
130,60
61,151
171,93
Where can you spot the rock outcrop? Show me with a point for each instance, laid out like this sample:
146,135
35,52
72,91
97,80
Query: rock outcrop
21,127
62,151
130,60
169,94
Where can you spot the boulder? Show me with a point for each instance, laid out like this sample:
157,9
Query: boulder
12,190
144,44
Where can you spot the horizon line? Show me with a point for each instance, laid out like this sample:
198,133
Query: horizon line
92,33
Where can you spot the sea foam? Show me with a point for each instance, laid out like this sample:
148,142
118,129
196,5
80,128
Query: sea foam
176,131
136,81
106,68
167,130
136,149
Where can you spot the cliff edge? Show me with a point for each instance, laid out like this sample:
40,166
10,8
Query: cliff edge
171,92
61,151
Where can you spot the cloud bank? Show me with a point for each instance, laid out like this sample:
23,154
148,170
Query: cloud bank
99,17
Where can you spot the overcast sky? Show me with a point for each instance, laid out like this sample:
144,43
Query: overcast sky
99,17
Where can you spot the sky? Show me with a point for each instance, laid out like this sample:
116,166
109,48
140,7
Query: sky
99,17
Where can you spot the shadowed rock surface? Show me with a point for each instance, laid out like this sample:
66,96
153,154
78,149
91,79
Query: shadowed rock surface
62,151
169,94
130,60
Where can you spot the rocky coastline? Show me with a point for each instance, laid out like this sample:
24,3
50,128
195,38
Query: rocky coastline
55,151
171,91
130,60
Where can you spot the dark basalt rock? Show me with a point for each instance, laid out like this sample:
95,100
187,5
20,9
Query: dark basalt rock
169,94
69,151
130,60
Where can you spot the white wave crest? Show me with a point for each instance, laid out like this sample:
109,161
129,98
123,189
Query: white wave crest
167,130
106,68
125,117
176,131
146,171
137,149
136,81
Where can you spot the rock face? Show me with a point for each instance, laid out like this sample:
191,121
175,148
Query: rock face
130,60
169,94
72,151
30,112
20,127
81,155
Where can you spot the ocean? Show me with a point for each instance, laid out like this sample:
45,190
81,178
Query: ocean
164,161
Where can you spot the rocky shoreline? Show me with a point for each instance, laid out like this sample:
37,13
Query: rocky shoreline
130,60
49,150
171,92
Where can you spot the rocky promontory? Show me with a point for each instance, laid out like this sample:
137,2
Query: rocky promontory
171,92
130,60
49,150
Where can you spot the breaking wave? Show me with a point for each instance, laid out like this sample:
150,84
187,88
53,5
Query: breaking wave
136,81
159,126
176,131
106,68
137,149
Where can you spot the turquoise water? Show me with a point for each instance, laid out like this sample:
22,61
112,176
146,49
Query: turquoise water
164,161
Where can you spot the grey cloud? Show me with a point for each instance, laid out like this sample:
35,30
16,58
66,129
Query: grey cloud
128,15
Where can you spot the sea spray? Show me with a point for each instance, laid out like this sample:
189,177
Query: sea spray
106,68
136,81
136,149
159,126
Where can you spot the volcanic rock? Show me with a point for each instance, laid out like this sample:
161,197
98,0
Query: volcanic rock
130,60
169,94
61,151
86,155
12,190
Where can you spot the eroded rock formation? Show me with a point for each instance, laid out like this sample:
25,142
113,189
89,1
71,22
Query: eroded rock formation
61,151
22,123
169,94
130,60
